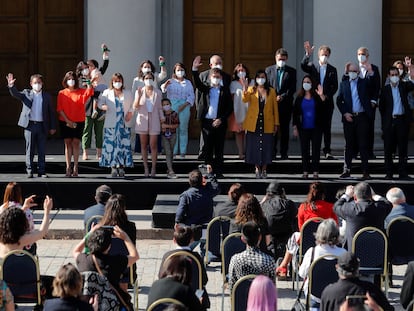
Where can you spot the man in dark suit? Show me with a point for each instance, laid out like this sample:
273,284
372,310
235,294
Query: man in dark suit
395,117
214,108
326,75
354,103
37,118
283,79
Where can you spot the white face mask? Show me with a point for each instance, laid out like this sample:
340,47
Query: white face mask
281,63
166,107
307,86
394,79
323,59
85,71
241,74
352,75
70,82
145,70
218,66
37,87
260,81
180,73
148,82
400,72
117,85
215,81
362,58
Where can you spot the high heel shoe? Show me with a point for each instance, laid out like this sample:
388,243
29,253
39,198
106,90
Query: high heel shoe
153,173
75,171
146,172
68,172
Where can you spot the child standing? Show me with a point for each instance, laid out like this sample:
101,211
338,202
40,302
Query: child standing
168,131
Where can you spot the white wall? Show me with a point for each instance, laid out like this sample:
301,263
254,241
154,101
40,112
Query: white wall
128,28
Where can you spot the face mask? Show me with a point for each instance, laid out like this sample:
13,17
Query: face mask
148,82
70,82
215,81
400,72
323,59
260,81
180,73
281,63
241,74
37,87
394,79
85,71
218,66
166,107
145,70
362,58
307,86
117,85
352,75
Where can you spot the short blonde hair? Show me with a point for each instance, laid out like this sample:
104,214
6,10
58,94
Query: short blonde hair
67,282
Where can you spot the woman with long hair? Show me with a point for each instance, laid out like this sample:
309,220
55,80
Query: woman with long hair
262,295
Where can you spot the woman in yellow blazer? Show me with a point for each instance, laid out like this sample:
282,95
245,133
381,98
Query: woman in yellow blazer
261,123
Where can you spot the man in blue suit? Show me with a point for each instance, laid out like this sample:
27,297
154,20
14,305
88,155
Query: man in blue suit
37,118
354,103
400,207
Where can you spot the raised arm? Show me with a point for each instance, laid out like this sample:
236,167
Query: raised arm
133,255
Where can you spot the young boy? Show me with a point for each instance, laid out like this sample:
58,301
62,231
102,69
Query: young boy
168,131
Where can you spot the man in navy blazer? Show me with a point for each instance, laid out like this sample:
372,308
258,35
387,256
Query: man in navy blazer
354,103
326,75
400,207
283,79
37,118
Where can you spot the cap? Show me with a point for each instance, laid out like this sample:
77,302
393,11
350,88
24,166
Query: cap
348,262
274,187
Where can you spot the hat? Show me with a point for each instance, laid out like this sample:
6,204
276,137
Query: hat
348,262
274,187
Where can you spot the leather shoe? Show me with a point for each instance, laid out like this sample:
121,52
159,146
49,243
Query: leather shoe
366,176
405,177
345,174
284,157
388,177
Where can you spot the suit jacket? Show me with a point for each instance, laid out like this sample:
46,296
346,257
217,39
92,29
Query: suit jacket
344,99
108,98
330,83
48,112
386,103
288,85
402,209
225,105
67,304
142,121
375,86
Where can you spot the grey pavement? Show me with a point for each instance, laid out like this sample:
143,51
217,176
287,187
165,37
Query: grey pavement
54,253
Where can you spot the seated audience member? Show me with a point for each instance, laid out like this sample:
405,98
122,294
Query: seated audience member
281,214
102,195
14,228
399,205
349,284
6,300
364,210
228,208
183,236
262,295
99,260
327,238
314,206
67,285
367,303
174,283
252,260
407,289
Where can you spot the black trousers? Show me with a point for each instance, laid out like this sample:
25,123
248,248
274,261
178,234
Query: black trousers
326,129
285,114
308,137
213,138
397,134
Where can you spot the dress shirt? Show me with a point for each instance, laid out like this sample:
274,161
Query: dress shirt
214,100
356,103
322,73
180,90
36,111
363,71
398,108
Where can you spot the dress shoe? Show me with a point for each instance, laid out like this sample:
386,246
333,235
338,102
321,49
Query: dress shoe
345,174
29,175
405,177
284,157
44,175
264,174
366,176
329,156
388,176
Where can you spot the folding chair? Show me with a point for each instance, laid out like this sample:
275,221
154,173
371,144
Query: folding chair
197,275
400,232
93,220
240,292
322,272
370,245
307,240
162,303
217,230
20,270
232,244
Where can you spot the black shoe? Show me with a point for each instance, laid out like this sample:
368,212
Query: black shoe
345,174
405,177
372,157
201,157
388,176
329,156
284,157
219,175
44,175
366,176
29,175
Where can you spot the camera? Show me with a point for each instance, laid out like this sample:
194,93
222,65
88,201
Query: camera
39,199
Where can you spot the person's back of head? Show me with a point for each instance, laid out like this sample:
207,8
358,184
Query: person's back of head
13,193
13,224
251,233
183,235
396,196
99,241
115,213
235,191
327,232
67,282
262,295
177,267
316,192
195,179
248,209
362,191
274,188
102,194
348,265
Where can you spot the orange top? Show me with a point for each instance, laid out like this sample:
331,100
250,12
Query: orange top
323,209
72,103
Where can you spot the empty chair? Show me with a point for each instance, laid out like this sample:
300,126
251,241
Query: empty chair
400,232
217,231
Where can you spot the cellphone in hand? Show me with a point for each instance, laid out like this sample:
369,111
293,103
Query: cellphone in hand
356,300
39,199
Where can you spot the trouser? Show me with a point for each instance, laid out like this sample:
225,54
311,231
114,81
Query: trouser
308,136
326,130
284,129
97,127
182,130
168,145
397,134
214,144
35,137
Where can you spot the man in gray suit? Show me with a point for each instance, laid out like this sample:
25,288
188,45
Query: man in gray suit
37,118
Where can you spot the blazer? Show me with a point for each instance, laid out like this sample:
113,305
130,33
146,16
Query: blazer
298,113
375,86
288,86
157,115
270,110
107,99
386,103
48,112
67,304
225,105
330,83
344,99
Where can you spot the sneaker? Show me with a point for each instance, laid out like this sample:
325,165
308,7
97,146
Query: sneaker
94,114
121,172
171,175
44,175
114,172
329,156
345,174
264,174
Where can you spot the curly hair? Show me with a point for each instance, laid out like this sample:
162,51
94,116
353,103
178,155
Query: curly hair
13,224
67,282
249,209
99,241
316,192
115,211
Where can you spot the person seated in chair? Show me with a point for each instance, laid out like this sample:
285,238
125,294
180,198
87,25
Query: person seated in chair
102,194
400,207
228,208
